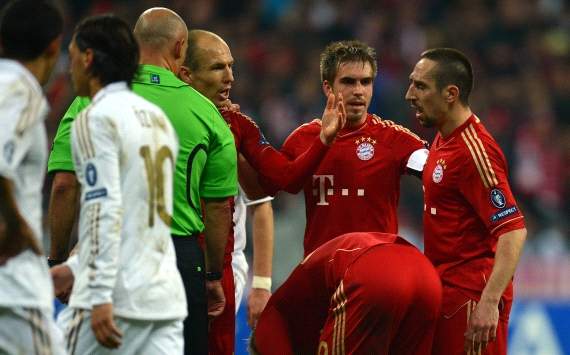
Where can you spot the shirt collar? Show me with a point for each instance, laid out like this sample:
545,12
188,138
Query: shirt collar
109,88
155,75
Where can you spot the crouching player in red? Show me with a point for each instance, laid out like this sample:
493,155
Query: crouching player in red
360,293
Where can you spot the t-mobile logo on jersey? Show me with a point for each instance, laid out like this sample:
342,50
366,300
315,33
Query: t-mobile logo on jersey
321,189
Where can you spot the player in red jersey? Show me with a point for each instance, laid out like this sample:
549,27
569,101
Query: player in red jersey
474,231
360,293
208,69
356,187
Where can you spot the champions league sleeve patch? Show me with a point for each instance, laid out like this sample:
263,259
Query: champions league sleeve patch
91,174
498,198
504,213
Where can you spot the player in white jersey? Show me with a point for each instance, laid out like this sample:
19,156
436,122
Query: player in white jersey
126,283
262,224
30,33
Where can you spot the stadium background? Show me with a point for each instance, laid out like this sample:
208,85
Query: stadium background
521,55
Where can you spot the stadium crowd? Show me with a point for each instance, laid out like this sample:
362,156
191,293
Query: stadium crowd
473,228
521,55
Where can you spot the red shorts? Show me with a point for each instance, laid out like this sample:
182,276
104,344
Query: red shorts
387,303
452,324
221,336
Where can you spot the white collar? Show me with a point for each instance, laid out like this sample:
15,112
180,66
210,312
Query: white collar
109,88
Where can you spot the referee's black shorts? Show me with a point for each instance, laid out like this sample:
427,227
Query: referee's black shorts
191,264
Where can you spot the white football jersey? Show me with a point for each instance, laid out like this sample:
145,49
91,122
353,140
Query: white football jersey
24,279
124,151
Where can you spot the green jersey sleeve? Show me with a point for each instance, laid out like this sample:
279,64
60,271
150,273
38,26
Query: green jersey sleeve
60,158
219,178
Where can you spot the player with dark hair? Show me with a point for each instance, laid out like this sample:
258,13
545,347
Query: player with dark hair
356,187
359,293
206,170
30,36
115,53
474,231
125,280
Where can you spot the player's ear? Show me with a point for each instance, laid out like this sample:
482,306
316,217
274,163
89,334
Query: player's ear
87,58
179,49
185,75
451,93
327,89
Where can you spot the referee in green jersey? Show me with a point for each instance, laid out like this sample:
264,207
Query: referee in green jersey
205,171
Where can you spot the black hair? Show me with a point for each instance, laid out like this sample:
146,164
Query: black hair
27,27
115,49
341,52
453,68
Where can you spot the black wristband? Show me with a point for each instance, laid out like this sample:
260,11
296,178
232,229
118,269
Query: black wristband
54,262
213,275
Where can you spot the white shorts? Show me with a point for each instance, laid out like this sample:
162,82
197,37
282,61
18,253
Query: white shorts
139,337
240,268
29,331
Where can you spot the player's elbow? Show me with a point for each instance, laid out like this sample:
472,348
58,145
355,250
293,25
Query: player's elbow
64,183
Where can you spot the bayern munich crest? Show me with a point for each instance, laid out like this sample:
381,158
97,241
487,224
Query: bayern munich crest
437,175
365,148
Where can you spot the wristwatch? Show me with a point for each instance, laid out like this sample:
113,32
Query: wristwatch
213,275
54,262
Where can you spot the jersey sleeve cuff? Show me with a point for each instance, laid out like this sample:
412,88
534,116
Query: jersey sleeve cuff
508,226
61,165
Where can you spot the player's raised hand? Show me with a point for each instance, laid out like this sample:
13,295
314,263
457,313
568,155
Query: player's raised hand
216,298
482,327
255,304
104,326
333,119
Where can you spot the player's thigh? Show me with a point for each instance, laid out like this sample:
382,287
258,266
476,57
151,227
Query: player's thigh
166,338
28,331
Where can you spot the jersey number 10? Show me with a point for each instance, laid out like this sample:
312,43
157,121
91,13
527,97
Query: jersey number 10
155,179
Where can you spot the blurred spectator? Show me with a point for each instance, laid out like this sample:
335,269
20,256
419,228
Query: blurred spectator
521,55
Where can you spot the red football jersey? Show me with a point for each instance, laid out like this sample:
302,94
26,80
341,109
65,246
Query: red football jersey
356,187
334,303
276,170
294,316
468,205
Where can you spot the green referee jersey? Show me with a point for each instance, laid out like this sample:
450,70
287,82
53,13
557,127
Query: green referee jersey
207,161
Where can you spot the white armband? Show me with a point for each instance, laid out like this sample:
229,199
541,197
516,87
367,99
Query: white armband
261,282
418,159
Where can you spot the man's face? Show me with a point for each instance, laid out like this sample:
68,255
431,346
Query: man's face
354,81
424,96
78,70
213,76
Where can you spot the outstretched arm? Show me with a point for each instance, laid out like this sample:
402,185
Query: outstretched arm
279,171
